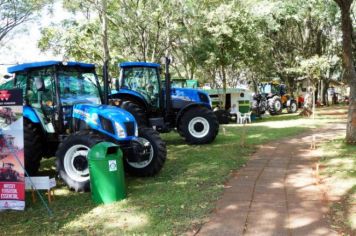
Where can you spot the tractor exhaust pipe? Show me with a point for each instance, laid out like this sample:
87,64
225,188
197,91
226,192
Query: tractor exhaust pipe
168,88
106,82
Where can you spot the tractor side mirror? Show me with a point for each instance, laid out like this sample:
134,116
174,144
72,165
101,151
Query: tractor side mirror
39,83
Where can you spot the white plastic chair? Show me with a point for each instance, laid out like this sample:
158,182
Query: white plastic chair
239,118
247,117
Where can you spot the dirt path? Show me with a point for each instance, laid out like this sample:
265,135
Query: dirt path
277,193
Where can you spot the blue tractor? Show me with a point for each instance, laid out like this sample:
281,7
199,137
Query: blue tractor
139,90
65,115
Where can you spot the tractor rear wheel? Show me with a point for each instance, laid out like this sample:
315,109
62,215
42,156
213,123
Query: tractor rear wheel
199,125
275,105
33,147
293,107
72,159
137,111
157,155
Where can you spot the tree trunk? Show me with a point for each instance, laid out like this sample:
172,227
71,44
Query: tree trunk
350,74
325,99
105,31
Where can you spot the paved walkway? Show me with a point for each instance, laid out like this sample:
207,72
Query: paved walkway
276,193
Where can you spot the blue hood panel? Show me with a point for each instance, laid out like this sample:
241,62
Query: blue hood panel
193,95
90,114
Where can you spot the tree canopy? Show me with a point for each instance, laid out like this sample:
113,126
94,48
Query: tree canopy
15,12
220,42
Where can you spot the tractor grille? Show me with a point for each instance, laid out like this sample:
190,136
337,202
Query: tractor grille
107,125
130,128
203,97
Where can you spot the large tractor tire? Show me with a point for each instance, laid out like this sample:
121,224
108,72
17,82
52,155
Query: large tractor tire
293,107
33,147
72,159
199,125
137,111
275,105
157,155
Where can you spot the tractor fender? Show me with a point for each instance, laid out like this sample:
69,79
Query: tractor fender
30,114
129,95
188,107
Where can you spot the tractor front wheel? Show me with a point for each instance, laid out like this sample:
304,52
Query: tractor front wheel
156,156
72,159
199,125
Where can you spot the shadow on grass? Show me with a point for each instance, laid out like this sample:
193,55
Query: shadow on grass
172,202
342,211
339,164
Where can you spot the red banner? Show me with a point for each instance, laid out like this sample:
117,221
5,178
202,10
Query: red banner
12,177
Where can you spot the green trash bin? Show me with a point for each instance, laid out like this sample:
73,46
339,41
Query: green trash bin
107,179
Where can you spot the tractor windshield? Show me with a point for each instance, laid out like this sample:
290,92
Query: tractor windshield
78,87
143,80
268,88
265,88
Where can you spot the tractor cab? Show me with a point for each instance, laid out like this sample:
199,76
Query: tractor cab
143,80
51,90
272,88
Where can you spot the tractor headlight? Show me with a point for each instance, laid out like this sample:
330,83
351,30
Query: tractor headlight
120,130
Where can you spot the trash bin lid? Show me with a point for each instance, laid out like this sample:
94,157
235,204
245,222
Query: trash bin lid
101,150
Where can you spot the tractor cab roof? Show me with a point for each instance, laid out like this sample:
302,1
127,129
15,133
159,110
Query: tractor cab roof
139,64
26,66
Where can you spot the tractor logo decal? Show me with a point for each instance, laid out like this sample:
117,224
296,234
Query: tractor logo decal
86,116
4,95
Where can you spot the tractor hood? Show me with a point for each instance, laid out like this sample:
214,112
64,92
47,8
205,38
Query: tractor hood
193,95
110,120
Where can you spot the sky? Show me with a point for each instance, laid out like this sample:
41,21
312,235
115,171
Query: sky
21,45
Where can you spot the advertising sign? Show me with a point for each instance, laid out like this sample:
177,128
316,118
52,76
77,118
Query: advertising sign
12,176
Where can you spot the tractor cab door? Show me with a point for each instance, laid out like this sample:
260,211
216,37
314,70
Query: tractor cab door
145,81
41,98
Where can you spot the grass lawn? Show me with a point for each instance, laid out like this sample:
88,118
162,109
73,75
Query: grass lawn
178,199
339,170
